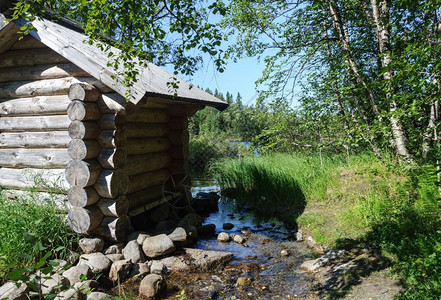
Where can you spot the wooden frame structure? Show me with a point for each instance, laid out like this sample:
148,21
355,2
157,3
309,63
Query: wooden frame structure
65,122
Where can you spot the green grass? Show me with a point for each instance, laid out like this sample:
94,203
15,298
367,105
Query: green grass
276,183
30,228
342,201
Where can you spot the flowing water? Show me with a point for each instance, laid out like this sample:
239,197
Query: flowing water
258,270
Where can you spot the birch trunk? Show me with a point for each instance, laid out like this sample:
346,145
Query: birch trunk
380,14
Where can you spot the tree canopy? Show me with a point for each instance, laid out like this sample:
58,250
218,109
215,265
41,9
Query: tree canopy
374,65
165,32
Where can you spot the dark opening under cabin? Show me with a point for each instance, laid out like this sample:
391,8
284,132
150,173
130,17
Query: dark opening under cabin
65,124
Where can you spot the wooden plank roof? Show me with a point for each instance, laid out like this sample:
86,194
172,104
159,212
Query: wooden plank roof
73,45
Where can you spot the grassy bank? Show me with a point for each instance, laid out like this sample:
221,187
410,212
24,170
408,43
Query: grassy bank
30,228
341,200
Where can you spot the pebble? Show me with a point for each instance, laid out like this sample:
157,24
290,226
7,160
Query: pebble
284,252
223,237
238,239
243,281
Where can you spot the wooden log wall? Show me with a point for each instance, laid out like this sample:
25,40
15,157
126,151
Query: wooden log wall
148,158
62,129
95,172
34,139
160,161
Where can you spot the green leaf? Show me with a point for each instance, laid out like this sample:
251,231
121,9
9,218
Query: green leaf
15,274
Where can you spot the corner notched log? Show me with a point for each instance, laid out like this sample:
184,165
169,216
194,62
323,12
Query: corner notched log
118,207
83,149
83,111
82,197
83,92
112,158
111,138
111,183
115,229
112,103
83,220
83,130
82,173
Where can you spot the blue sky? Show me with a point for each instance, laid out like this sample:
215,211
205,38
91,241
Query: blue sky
237,77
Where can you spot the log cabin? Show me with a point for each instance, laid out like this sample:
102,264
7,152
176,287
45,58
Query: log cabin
65,126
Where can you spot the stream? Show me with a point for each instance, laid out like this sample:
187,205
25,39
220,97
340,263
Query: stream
258,270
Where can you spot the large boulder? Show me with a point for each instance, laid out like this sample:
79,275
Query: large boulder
86,286
199,260
178,235
91,245
151,286
158,245
133,252
53,284
97,262
77,273
71,294
98,296
120,270
139,269
10,290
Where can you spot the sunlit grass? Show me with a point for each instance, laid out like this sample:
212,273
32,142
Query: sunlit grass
29,226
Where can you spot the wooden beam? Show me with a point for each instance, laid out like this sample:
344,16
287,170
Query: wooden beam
30,57
26,139
149,115
42,105
141,181
34,158
137,146
145,130
138,164
23,89
42,123
40,72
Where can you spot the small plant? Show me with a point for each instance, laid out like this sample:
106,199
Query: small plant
181,295
32,226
